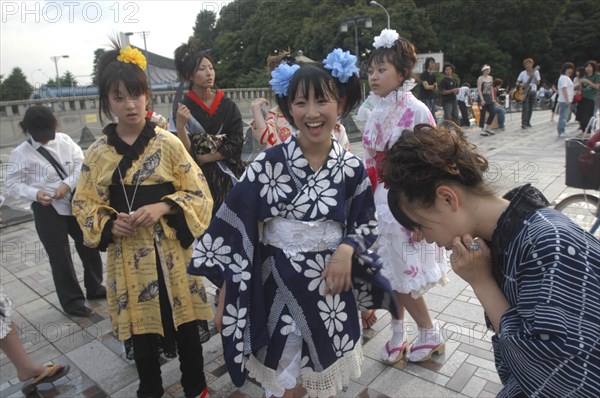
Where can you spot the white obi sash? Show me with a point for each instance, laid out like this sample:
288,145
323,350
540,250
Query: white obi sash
293,236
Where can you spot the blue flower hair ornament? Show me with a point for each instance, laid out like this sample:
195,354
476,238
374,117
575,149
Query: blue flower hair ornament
342,64
281,77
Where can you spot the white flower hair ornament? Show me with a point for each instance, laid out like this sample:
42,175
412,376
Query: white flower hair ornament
341,63
386,38
281,78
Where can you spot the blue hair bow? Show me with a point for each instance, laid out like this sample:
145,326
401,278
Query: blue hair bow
281,77
342,64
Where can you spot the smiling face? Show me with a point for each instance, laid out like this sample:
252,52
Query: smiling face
314,117
129,109
384,78
204,75
589,69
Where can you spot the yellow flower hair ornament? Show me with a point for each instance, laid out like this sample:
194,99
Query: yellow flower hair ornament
134,56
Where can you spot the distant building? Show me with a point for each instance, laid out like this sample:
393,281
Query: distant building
162,72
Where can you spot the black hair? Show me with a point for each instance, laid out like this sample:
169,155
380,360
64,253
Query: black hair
187,58
111,72
428,60
402,55
317,77
565,66
448,65
38,119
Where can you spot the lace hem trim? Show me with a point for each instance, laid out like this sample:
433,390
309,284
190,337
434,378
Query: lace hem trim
323,384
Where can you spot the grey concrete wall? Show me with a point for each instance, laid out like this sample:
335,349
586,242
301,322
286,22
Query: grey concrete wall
74,115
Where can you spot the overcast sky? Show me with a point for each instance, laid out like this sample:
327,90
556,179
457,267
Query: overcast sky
31,32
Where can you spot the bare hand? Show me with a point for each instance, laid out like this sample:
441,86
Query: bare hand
122,227
62,191
183,115
147,216
259,103
337,273
44,198
218,319
471,259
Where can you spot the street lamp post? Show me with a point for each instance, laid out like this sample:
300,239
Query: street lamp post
356,20
55,58
374,3
144,34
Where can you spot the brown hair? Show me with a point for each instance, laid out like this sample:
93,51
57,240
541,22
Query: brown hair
273,61
527,61
402,55
594,65
426,157
111,72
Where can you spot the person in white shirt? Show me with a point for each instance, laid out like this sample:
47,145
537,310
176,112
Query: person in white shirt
463,100
529,80
566,91
45,169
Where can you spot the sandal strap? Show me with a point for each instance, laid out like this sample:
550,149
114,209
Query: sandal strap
401,347
424,347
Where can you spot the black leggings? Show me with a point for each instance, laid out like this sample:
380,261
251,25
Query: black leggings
189,348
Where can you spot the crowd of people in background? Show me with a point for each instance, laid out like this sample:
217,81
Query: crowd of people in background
487,106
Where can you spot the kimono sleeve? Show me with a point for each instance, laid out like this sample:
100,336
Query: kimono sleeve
230,251
556,315
192,196
91,200
361,222
233,127
232,235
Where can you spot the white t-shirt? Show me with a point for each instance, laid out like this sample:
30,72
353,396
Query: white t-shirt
564,81
524,78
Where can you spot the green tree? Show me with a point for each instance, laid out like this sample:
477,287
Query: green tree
66,80
97,54
205,28
15,87
576,37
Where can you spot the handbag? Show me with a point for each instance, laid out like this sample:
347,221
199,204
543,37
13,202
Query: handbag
577,98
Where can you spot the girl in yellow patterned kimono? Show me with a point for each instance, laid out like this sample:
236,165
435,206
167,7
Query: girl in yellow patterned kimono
142,198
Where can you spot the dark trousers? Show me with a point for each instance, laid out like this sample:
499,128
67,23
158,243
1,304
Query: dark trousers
527,111
54,230
451,111
464,112
489,107
189,349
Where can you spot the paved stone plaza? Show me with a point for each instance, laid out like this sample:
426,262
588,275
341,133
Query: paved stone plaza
99,367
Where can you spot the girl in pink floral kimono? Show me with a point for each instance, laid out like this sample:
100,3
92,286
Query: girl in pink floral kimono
412,267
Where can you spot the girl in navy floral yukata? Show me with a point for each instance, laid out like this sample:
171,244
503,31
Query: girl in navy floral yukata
291,240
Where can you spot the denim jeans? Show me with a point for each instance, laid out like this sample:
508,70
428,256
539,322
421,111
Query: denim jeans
564,114
431,105
501,116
